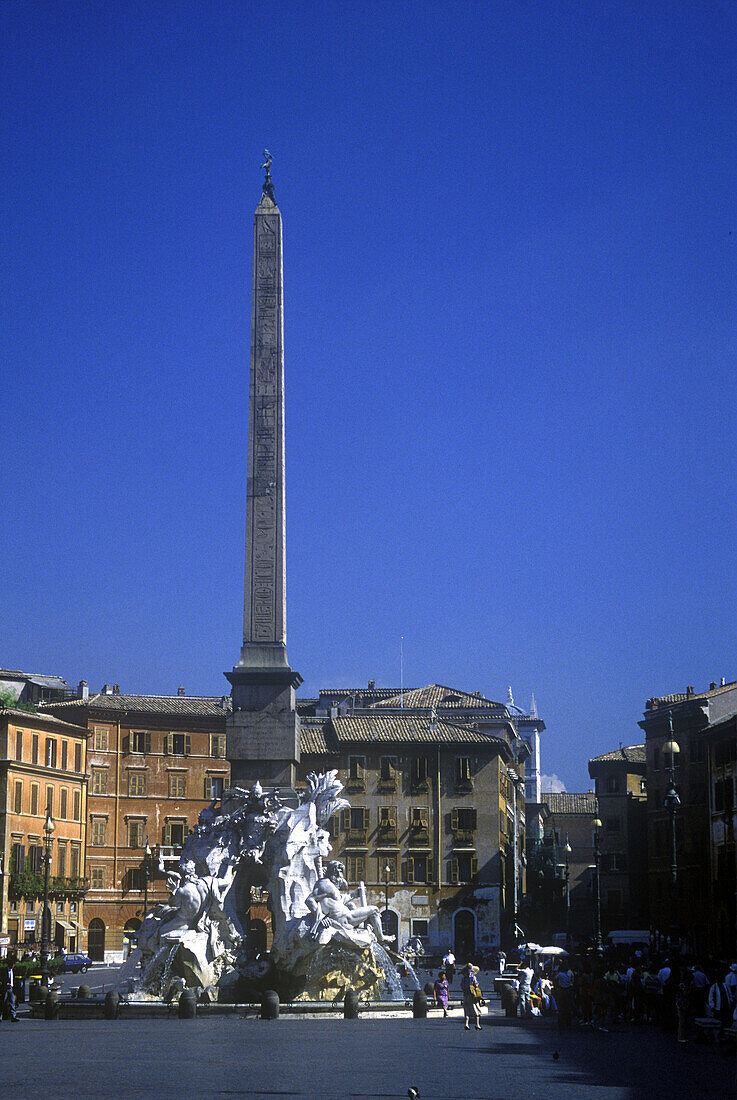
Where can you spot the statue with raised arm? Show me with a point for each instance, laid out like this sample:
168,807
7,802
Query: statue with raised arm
268,185
341,915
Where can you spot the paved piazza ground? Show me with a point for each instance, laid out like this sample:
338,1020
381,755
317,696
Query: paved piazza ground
336,1058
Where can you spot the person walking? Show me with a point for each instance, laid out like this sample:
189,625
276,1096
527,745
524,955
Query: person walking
449,965
472,996
525,975
441,991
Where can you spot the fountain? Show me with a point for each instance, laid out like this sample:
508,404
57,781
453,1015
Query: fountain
326,938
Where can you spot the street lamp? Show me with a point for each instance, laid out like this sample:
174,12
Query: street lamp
597,865
387,873
146,862
568,851
672,802
48,830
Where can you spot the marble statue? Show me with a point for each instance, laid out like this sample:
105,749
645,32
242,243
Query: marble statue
325,937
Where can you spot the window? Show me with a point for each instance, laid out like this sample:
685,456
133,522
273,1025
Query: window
136,784
98,832
75,853
388,818
135,834
99,781
725,752
419,819
214,785
19,744
78,757
17,858
613,825
356,773
463,770
34,799
217,745
177,784
420,928
50,752
61,859
383,862
388,770
174,833
18,799
419,771
358,821
463,819
76,803
612,784
64,755
723,796
355,868
419,869
178,744
63,803
463,867
140,741
50,800
133,879
34,748
97,878
100,739
35,858
656,758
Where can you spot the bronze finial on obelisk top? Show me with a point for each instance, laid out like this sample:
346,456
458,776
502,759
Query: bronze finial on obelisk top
268,186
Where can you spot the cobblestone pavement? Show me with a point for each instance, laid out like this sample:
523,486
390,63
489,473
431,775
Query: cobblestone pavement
334,1058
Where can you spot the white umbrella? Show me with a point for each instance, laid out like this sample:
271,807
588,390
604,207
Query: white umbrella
532,947
552,951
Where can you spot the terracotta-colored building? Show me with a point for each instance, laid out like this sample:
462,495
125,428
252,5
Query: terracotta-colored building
42,768
154,762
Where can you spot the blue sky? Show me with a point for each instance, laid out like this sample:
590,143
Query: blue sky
509,247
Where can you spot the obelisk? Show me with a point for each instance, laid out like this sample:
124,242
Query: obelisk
263,729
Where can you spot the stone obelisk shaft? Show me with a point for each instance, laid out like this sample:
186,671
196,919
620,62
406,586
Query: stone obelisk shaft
264,613
263,737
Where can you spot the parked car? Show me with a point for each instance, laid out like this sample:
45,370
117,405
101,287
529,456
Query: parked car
73,964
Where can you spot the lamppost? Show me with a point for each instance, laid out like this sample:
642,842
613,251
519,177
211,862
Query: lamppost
597,865
568,851
146,863
672,802
48,830
387,873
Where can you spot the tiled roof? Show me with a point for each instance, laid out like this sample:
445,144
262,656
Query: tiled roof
201,706
659,701
366,692
28,717
565,802
437,695
632,754
315,737
410,729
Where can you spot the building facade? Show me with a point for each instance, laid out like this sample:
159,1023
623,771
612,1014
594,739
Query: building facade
42,769
621,794
571,822
722,770
683,912
154,763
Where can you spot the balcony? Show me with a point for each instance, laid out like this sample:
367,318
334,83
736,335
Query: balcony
30,885
464,786
356,784
357,837
387,833
419,836
387,785
464,836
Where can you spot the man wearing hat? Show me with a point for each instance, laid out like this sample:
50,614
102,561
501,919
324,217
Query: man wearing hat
730,981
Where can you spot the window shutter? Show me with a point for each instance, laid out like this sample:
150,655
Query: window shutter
474,865
169,744
423,818
393,817
345,820
454,819
147,742
430,870
454,870
167,833
410,871
126,745
208,787
366,819
473,818
187,744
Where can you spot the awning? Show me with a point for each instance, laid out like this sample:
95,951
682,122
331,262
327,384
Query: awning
65,925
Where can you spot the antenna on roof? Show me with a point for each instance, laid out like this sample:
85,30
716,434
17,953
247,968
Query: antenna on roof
401,671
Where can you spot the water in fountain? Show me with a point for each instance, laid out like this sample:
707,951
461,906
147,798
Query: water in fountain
391,987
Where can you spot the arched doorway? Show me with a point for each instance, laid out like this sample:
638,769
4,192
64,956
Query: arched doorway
257,936
464,936
390,925
96,940
129,935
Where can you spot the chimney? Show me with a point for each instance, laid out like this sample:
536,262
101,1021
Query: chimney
83,691
372,685
723,682
116,689
180,690
690,690
106,689
712,685
224,702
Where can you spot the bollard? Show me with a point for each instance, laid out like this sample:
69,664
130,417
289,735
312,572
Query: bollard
511,1002
112,1005
269,1005
419,1005
19,988
187,1004
51,1005
33,991
350,1005
84,992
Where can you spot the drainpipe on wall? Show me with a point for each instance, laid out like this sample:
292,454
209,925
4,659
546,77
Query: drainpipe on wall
515,890
439,830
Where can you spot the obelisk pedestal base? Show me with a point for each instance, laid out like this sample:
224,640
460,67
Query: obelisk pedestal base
262,732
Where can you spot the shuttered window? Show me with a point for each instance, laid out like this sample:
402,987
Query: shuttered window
98,832
99,781
177,785
76,802
63,803
18,800
136,784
